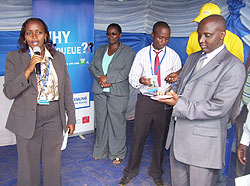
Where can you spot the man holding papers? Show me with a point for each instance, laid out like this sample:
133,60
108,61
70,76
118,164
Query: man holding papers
209,83
150,67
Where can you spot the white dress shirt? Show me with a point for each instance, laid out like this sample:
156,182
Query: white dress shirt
143,66
245,138
211,55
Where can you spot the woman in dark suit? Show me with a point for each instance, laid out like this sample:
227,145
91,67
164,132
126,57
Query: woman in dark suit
37,116
110,68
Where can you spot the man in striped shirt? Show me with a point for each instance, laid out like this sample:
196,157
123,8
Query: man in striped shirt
148,111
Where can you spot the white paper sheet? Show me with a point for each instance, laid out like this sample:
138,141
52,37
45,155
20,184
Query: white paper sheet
161,97
65,140
243,180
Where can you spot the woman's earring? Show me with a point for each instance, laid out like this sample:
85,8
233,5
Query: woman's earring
25,41
45,40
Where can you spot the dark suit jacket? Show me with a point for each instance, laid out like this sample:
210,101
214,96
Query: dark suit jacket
22,115
118,69
199,134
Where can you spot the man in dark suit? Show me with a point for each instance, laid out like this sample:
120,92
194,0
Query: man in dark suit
209,83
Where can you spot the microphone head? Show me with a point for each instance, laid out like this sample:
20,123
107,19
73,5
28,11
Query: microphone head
37,50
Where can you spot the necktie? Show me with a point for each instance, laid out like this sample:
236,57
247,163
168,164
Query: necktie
200,62
157,63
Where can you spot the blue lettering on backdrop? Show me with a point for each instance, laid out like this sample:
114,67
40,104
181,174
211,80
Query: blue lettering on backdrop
80,99
71,26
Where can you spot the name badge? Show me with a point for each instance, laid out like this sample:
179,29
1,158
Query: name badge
43,101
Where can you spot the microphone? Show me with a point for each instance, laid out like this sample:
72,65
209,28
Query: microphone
37,50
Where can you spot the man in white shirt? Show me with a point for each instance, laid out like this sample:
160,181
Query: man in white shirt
150,112
244,146
244,116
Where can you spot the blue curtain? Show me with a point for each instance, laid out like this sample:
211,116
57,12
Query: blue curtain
137,41
233,21
8,43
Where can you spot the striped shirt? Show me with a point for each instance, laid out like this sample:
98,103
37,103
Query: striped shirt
143,66
246,90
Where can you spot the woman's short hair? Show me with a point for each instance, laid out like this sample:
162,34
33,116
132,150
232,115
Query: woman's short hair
118,27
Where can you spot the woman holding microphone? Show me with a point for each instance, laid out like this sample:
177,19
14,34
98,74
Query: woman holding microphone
41,100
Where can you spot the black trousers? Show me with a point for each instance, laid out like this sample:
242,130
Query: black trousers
148,113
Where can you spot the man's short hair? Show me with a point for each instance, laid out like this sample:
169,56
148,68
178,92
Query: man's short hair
160,23
220,20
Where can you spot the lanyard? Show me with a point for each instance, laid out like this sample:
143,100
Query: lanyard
159,64
47,74
46,77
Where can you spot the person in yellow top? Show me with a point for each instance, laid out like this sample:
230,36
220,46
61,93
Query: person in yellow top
233,42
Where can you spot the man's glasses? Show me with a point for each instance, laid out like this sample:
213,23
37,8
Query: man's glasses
112,33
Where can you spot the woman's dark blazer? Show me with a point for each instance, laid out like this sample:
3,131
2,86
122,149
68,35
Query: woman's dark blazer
118,69
22,115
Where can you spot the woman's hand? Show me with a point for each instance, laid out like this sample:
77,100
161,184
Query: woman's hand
102,80
71,128
33,61
106,85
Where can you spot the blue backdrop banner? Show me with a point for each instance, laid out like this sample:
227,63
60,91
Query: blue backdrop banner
8,43
71,26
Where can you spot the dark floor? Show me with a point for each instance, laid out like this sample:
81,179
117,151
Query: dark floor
79,168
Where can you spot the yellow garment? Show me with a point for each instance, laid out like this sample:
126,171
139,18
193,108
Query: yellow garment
232,42
206,10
